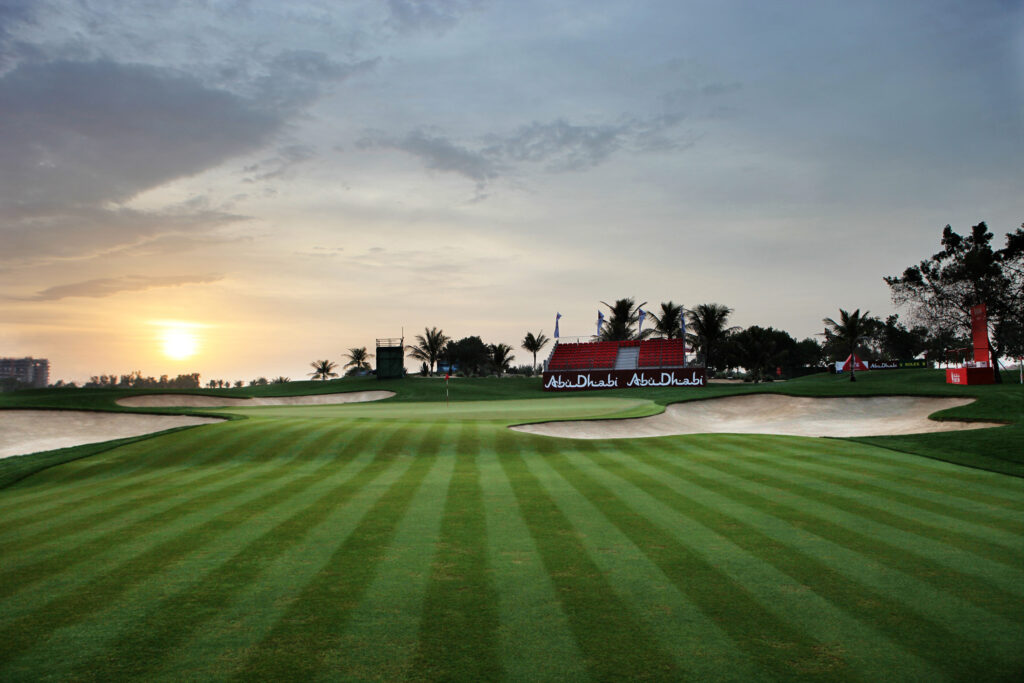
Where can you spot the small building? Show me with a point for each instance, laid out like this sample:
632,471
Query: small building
390,358
33,372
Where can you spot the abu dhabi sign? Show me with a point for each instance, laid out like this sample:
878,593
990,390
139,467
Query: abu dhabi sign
568,380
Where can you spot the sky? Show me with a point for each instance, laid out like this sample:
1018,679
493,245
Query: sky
241,188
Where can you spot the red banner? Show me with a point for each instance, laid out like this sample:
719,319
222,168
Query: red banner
979,332
568,380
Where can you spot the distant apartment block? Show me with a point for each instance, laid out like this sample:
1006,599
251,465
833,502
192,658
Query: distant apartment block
34,372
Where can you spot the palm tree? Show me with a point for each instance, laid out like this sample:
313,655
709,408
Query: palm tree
533,344
708,325
848,332
669,323
429,346
281,379
621,322
323,369
358,359
501,356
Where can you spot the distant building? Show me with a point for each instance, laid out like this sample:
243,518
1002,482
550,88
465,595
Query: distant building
33,372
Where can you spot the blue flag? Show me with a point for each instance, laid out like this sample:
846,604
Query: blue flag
558,316
600,321
643,314
682,324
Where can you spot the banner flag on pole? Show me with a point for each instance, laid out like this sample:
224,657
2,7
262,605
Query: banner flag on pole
600,322
558,316
643,314
682,331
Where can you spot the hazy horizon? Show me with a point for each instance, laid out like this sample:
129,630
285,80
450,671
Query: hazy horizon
283,182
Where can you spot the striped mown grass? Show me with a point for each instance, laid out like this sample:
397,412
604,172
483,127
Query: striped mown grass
312,544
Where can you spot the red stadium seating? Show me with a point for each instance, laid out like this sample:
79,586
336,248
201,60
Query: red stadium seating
654,353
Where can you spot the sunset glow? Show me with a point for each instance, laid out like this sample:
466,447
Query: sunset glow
179,342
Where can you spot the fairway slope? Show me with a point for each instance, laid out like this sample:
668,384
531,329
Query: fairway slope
32,431
775,414
201,401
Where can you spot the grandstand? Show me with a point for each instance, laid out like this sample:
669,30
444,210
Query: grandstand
618,355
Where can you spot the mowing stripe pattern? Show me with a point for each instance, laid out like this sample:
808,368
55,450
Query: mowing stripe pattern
345,548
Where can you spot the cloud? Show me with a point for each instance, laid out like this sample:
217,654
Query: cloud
105,287
321,252
275,167
438,153
54,233
12,13
101,131
560,146
427,15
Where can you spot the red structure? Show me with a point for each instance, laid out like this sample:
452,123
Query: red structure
619,365
980,370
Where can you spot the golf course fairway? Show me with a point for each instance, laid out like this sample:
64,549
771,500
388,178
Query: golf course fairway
418,541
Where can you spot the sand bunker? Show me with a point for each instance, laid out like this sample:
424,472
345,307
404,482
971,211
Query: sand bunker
31,431
199,401
774,414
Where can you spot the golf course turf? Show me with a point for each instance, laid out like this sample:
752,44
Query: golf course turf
413,540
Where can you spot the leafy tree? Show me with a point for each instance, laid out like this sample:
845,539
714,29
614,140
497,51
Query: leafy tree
899,343
761,349
501,357
622,320
429,346
808,353
258,382
668,323
533,344
323,369
358,359
708,325
280,379
850,331
469,353
941,290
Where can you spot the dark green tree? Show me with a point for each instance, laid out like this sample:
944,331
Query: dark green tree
808,353
897,342
501,358
668,322
848,333
471,355
708,330
940,290
322,369
534,343
358,359
429,347
761,350
621,323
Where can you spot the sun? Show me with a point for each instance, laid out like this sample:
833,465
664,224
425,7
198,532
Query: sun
179,343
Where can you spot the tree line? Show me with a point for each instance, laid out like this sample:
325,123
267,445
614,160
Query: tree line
135,380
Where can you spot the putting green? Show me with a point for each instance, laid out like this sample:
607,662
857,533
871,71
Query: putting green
510,411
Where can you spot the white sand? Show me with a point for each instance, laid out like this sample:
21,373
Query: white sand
200,401
31,431
774,414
